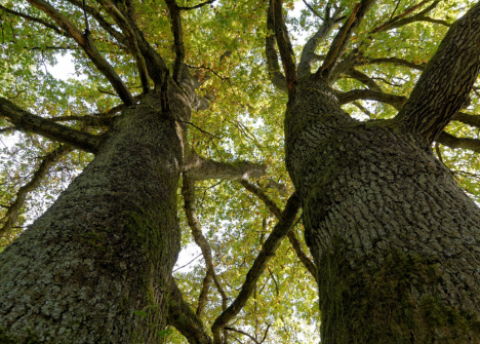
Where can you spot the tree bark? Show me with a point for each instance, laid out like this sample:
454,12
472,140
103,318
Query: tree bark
395,240
94,267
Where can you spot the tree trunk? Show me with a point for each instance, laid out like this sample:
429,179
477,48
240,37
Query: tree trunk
395,240
93,268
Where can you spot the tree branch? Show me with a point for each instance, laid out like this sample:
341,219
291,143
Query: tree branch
178,38
101,21
309,57
395,61
394,22
181,316
284,45
280,230
341,40
197,6
197,168
28,122
272,206
473,120
85,41
188,192
132,41
445,84
14,209
454,142
276,76
91,121
364,79
36,20
351,96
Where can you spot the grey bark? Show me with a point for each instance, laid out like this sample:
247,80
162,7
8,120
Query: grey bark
107,246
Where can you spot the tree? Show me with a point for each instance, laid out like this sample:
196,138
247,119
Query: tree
392,235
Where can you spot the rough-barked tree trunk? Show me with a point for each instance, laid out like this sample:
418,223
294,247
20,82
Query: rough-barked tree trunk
395,240
106,247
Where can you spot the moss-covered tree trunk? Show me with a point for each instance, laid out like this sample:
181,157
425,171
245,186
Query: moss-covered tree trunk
395,240
93,268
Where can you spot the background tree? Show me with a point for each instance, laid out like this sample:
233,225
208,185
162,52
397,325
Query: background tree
196,103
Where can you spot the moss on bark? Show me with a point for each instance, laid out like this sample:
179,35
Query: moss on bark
394,299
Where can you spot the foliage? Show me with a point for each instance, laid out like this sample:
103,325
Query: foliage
224,42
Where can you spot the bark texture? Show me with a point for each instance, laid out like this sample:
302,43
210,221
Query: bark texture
106,248
395,240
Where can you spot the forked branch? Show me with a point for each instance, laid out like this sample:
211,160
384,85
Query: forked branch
284,45
444,86
274,209
86,42
13,210
280,230
28,122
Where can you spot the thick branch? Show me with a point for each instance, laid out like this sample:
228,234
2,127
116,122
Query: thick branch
341,40
91,121
272,206
14,209
85,41
308,53
364,79
276,76
132,40
454,142
181,316
395,61
197,168
284,44
188,192
280,230
446,82
28,122
178,38
351,96
473,120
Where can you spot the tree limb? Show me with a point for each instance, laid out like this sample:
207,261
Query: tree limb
341,40
351,96
284,45
132,41
364,79
196,6
101,21
280,230
272,206
445,84
395,61
28,122
454,142
85,41
394,22
197,168
308,57
473,120
276,76
13,210
36,20
91,121
188,192
178,38
181,316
